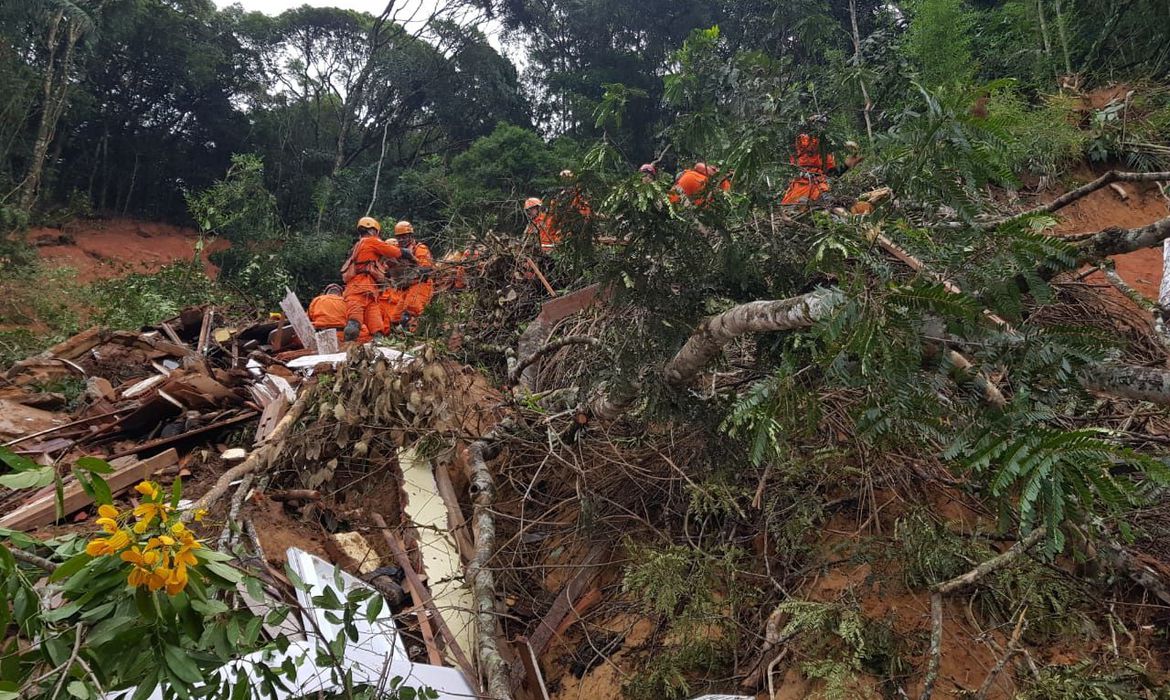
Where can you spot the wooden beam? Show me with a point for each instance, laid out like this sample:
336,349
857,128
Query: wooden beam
399,552
586,573
42,510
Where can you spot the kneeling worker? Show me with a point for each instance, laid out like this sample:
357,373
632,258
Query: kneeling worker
328,312
362,272
812,182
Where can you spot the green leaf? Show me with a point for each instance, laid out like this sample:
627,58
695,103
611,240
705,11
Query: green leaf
146,686
78,690
17,462
30,479
176,492
180,663
223,571
209,608
374,607
94,465
70,567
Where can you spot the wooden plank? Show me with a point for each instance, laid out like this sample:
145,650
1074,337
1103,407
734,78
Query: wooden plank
456,522
295,313
43,509
399,551
531,666
272,414
205,330
540,276
581,580
170,333
569,304
327,341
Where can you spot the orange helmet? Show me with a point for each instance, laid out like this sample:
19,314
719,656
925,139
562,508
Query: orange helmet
369,222
704,169
403,228
533,202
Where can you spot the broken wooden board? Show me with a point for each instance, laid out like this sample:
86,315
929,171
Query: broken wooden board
441,562
42,510
18,420
273,412
327,341
295,313
569,304
352,552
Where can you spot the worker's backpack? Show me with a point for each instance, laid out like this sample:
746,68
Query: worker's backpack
351,269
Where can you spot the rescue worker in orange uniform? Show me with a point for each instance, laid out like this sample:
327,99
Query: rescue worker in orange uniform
328,311
812,182
540,224
362,272
694,182
422,288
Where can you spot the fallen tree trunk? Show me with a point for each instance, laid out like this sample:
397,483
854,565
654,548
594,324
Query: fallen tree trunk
1129,382
1115,241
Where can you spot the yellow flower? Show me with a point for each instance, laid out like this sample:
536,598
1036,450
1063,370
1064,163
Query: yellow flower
200,513
108,524
107,511
178,529
148,489
138,577
177,581
108,545
146,513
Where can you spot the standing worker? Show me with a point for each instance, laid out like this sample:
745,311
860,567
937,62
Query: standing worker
362,272
540,224
812,181
418,294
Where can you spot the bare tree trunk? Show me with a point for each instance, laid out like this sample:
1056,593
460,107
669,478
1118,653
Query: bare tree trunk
49,90
1129,382
857,62
1114,241
482,581
1063,34
1044,31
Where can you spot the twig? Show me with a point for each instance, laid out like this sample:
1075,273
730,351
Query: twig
72,658
517,370
1012,649
27,558
256,459
958,583
1083,191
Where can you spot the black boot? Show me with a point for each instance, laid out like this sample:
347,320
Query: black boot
352,330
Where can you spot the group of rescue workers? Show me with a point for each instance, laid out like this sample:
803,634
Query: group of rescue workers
388,283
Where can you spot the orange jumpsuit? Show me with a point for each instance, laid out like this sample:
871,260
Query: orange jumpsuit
692,183
329,311
361,292
811,183
544,228
419,294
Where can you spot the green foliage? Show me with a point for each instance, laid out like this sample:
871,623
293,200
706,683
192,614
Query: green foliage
1090,681
238,207
844,644
938,42
139,300
694,594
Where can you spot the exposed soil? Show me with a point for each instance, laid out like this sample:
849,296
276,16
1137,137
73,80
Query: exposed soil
1142,269
110,248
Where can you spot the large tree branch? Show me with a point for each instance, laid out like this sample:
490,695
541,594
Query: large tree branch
1115,241
1085,190
1128,382
716,331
